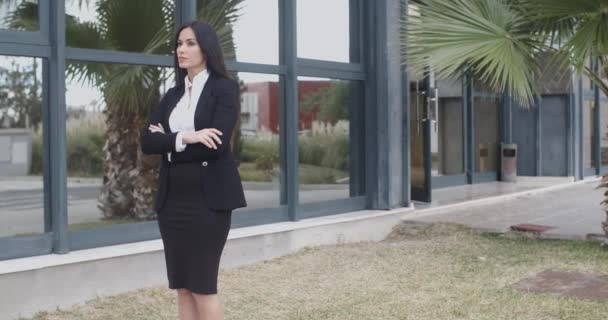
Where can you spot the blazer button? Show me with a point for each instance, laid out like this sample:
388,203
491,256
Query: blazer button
205,163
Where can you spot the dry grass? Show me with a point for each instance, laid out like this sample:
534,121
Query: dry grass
420,272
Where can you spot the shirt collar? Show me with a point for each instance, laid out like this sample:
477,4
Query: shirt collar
200,78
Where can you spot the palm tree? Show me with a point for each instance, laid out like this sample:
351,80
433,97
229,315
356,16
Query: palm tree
130,91
501,42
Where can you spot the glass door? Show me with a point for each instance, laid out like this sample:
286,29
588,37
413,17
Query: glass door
423,109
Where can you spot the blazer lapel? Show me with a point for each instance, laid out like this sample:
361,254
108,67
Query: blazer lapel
172,103
201,114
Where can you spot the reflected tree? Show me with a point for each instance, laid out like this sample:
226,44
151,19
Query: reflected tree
129,91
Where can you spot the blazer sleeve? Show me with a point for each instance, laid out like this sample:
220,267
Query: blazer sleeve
224,120
157,142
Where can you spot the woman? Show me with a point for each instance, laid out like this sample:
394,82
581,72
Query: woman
199,184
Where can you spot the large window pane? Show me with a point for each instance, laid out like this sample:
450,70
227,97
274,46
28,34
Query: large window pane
447,133
19,15
329,155
257,147
589,125
486,134
109,179
21,147
324,30
255,30
604,117
145,26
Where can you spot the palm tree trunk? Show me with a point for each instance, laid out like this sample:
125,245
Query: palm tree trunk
120,158
145,181
129,176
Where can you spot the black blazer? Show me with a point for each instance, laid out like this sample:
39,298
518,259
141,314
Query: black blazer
218,107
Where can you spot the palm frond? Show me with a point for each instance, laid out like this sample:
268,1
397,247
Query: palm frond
23,17
221,14
486,37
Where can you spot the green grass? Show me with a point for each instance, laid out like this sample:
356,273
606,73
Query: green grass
419,272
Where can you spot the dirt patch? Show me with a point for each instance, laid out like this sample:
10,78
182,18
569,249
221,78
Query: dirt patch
573,284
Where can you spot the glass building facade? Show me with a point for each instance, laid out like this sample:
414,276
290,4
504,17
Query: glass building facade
330,121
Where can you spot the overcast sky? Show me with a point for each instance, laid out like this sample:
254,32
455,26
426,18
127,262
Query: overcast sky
322,34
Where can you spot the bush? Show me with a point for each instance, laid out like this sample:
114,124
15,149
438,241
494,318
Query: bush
325,150
337,154
36,165
311,150
254,149
84,144
85,153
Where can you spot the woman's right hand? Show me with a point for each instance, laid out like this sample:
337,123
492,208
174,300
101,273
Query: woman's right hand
209,137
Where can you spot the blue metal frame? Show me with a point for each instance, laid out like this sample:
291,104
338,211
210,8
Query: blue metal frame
57,130
406,154
49,43
289,115
25,246
467,118
40,37
539,133
598,125
323,208
449,181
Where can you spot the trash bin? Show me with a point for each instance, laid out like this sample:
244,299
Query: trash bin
508,162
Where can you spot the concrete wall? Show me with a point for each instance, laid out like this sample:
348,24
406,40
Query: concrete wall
554,110
451,131
15,152
486,130
51,281
524,135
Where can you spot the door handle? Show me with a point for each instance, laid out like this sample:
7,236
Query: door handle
433,102
418,107
436,108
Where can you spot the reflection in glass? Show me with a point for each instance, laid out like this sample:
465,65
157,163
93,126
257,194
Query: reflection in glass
323,30
19,15
485,114
256,144
417,107
589,124
256,31
604,118
109,179
447,133
324,121
21,145
145,26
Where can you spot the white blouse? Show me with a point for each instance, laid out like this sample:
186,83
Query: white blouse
182,117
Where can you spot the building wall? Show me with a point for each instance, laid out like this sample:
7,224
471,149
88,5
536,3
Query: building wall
554,117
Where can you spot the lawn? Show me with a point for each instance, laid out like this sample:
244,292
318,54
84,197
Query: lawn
419,272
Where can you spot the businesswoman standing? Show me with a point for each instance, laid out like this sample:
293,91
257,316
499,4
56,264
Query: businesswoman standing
199,184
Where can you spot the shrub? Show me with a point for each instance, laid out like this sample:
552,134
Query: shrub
254,149
337,154
329,151
84,143
36,165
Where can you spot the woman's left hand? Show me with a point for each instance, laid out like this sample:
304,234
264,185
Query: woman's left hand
158,128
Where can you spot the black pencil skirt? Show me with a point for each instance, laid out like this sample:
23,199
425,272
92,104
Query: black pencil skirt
193,235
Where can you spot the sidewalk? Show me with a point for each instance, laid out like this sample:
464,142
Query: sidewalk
573,210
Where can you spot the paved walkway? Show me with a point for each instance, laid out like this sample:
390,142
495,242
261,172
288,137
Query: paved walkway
572,209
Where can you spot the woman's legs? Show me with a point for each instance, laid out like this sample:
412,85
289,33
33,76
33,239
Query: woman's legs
186,306
208,306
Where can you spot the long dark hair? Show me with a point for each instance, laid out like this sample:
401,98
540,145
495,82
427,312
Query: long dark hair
210,46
